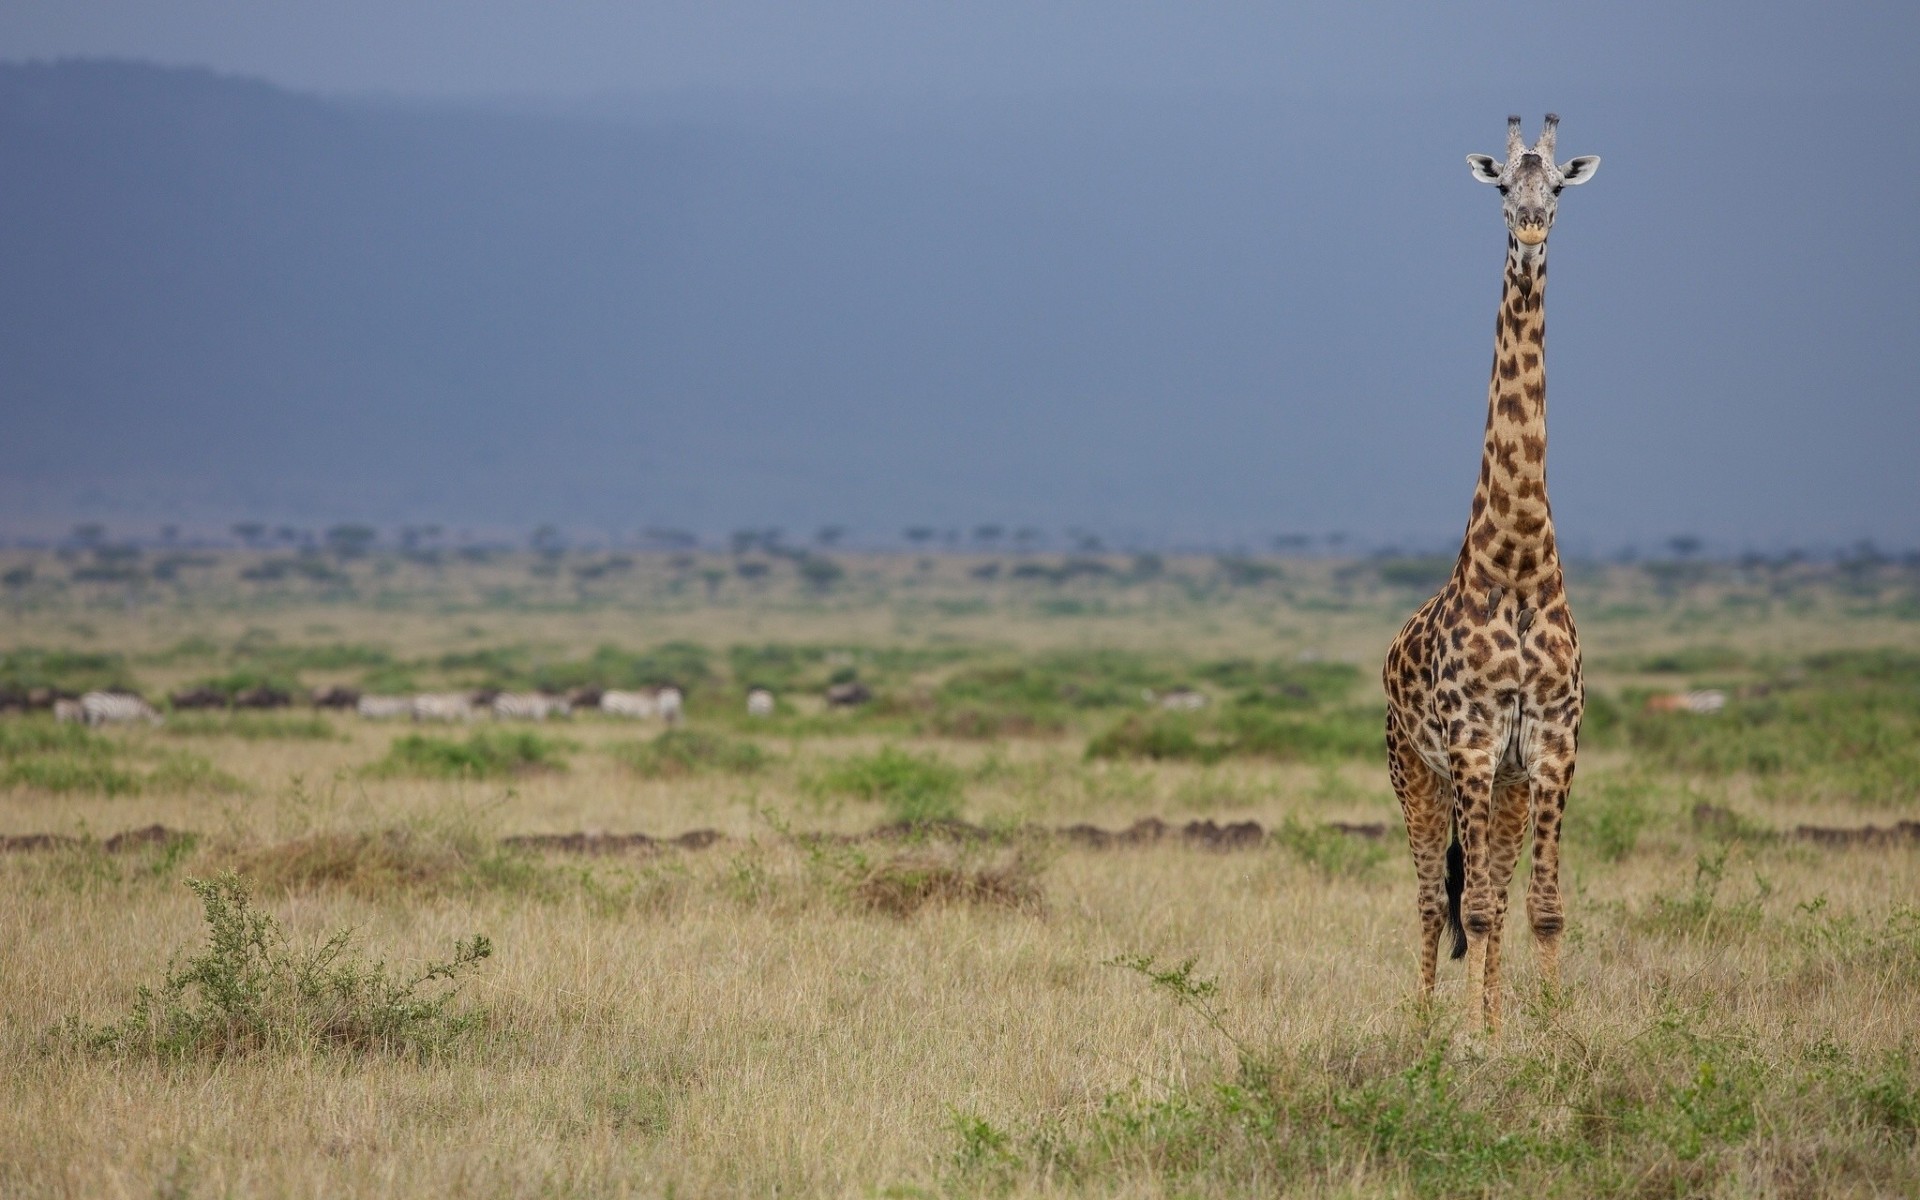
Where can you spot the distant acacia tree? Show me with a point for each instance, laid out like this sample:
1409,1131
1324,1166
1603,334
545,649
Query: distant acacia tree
250,533
1684,545
830,535
548,542
988,535
821,573
90,533
744,540
920,535
351,541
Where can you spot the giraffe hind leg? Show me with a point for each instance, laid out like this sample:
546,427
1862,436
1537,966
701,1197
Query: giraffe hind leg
1427,806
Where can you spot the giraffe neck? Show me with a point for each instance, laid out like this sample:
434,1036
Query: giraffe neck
1509,540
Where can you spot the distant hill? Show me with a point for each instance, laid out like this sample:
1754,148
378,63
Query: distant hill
1202,315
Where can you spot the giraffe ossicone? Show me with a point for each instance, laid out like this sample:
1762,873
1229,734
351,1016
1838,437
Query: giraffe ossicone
1484,690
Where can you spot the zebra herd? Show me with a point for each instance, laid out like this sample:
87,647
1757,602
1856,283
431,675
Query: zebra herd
666,703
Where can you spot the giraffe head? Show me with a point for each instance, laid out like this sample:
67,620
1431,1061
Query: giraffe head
1529,182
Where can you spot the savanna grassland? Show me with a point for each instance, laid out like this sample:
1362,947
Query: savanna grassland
865,952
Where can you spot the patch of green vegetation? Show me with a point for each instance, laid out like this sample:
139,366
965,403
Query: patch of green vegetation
51,757
252,726
915,788
71,670
1609,815
1244,732
690,751
1674,1108
484,754
1838,735
1328,850
249,991
520,667
1695,660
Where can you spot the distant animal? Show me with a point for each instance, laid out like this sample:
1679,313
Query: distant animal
851,694
336,697
68,711
669,701
1701,703
637,705
585,697
384,708
529,706
759,703
114,708
1183,700
261,696
200,697
13,699
46,697
443,706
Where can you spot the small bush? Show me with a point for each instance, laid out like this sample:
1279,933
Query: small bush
1609,817
1330,851
688,751
485,754
249,992
915,788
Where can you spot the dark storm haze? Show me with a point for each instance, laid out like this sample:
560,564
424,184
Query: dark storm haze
1175,273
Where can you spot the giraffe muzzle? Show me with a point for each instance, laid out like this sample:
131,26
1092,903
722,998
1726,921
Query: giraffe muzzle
1530,235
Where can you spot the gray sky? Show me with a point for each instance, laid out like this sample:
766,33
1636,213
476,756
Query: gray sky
464,47
1200,270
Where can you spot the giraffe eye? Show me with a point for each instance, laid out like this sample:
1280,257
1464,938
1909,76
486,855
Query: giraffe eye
1503,189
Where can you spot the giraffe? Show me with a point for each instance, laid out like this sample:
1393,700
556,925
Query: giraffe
1484,694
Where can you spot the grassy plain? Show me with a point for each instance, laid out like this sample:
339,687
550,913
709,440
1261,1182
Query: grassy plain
966,1005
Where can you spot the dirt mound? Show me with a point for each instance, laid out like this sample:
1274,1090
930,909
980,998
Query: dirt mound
1898,834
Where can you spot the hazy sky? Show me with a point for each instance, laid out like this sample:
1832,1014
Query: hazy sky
989,46
1192,269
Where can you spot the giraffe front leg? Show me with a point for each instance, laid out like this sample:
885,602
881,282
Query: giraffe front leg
1545,910
1472,772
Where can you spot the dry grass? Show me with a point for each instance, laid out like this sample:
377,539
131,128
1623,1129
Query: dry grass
778,1013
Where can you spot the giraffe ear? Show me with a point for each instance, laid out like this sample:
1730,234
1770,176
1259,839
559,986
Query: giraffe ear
1579,170
1484,168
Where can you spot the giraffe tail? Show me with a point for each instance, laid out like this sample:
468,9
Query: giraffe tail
1456,884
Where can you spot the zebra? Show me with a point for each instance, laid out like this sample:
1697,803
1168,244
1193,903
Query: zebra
1183,700
529,706
443,706
669,701
638,705
68,712
103,708
759,703
384,708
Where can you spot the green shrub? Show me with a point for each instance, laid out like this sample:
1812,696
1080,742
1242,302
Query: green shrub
915,788
485,754
249,992
1172,737
1330,851
687,751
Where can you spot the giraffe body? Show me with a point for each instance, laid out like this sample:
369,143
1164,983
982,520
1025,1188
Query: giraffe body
1483,683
